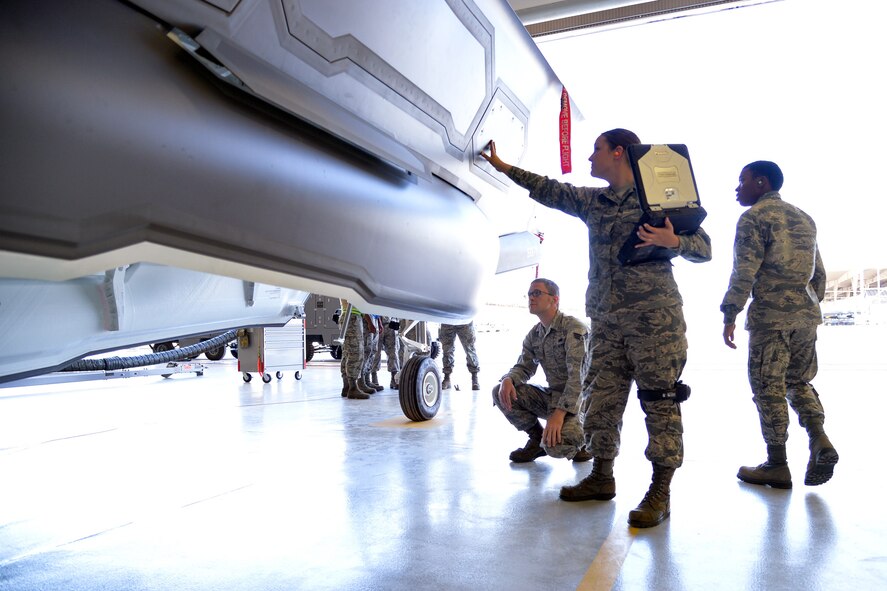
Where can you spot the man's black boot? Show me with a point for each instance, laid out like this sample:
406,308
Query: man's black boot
597,486
774,472
475,384
656,505
533,448
446,385
823,458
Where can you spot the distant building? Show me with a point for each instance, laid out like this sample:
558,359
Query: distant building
856,297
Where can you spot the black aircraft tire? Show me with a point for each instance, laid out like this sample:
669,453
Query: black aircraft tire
161,347
309,352
420,392
215,354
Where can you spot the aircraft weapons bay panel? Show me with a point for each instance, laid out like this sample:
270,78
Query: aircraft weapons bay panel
432,59
407,81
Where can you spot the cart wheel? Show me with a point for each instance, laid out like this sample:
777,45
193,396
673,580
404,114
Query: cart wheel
266,377
420,392
336,352
298,375
199,373
247,377
279,374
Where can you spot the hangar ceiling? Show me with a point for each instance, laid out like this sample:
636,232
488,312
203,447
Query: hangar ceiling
548,17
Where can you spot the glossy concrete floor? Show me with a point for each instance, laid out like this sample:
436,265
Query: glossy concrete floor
210,483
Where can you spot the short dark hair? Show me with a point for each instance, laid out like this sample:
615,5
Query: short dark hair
620,137
550,285
768,170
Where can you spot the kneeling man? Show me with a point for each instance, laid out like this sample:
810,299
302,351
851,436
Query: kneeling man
557,343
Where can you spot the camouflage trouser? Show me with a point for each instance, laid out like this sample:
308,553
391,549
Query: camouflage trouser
370,350
533,403
467,336
649,347
391,344
781,364
352,348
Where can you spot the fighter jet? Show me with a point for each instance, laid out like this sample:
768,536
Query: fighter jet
175,167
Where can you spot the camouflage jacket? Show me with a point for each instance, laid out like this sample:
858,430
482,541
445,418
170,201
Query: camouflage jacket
775,258
560,350
611,220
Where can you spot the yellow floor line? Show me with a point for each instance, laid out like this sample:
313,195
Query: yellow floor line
607,565
404,422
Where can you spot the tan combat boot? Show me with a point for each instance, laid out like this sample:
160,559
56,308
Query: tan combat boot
532,449
372,383
774,472
823,458
597,486
354,392
655,507
364,387
583,455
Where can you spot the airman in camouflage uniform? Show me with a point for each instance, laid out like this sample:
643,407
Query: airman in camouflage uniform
557,343
371,329
391,344
777,261
468,337
637,325
352,353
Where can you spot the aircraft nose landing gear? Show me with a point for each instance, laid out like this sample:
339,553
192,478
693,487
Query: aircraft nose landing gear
420,391
419,388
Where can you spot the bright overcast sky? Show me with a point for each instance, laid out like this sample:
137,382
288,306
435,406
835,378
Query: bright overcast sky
799,82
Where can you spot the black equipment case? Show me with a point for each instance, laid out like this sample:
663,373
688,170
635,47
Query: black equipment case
666,187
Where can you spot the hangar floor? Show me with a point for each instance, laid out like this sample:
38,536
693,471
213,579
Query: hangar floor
209,483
